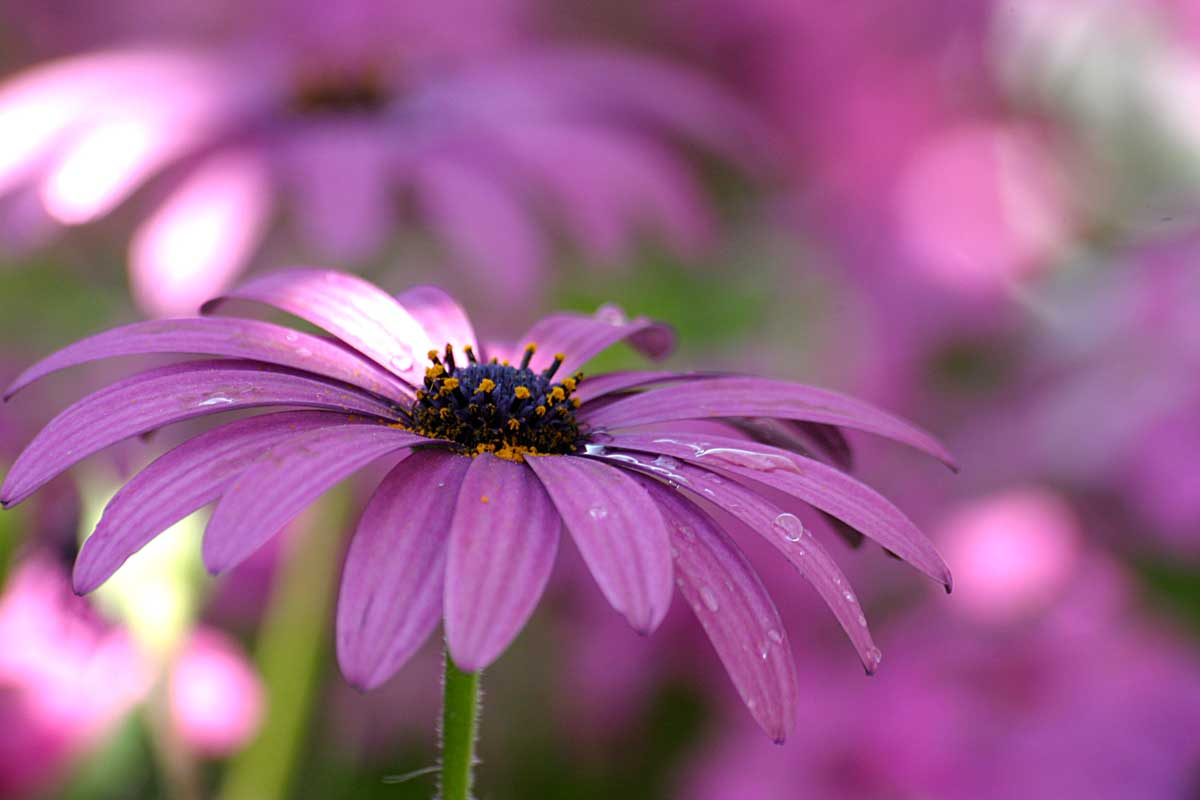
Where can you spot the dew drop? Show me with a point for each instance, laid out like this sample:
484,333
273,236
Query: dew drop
667,462
874,657
441,484
612,314
713,478
709,599
290,336
402,360
216,401
763,462
303,352
775,636
598,512
849,596
595,449
789,526
764,650
862,620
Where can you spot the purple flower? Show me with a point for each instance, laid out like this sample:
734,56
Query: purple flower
336,120
497,449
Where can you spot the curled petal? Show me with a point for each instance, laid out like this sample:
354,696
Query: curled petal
579,337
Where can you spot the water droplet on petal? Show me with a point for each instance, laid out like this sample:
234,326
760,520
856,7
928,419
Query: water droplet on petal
595,449
862,620
598,512
402,360
290,336
612,314
709,599
874,657
849,596
667,462
775,636
763,462
789,526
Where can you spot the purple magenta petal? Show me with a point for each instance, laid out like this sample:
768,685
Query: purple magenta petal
781,529
618,530
593,387
738,615
391,594
289,478
814,438
180,482
235,338
579,337
159,397
758,397
359,313
443,319
817,484
502,548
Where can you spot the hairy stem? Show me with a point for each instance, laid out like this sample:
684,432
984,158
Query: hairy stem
460,725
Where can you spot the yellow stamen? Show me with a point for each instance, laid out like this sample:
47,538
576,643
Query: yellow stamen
540,411
485,386
521,392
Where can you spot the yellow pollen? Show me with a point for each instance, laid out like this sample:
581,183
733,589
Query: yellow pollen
513,424
557,394
576,402
505,363
560,356
531,348
450,383
540,411
484,499
435,371
485,385
570,383
432,354
521,392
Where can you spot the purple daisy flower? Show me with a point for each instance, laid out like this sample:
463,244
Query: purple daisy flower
341,119
497,449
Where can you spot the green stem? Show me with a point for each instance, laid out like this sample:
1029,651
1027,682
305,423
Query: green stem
460,725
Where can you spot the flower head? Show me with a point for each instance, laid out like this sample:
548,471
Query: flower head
497,449
337,120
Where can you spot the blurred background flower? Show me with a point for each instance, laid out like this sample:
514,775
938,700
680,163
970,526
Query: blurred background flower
981,215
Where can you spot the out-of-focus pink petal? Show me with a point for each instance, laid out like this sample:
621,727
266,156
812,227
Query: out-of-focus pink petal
341,199
216,696
484,223
193,246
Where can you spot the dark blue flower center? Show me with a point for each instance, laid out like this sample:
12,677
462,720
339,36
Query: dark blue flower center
498,408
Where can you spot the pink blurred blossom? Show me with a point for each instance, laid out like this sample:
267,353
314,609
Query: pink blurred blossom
66,677
216,696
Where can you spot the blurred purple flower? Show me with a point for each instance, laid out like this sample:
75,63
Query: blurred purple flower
341,119
494,458
65,677
1040,694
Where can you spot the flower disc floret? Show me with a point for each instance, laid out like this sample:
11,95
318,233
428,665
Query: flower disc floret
498,408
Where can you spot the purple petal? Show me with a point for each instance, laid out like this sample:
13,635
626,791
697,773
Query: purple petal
815,438
159,397
502,548
781,529
443,319
579,337
235,338
359,313
594,387
391,594
289,478
180,482
817,484
618,530
738,615
759,397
